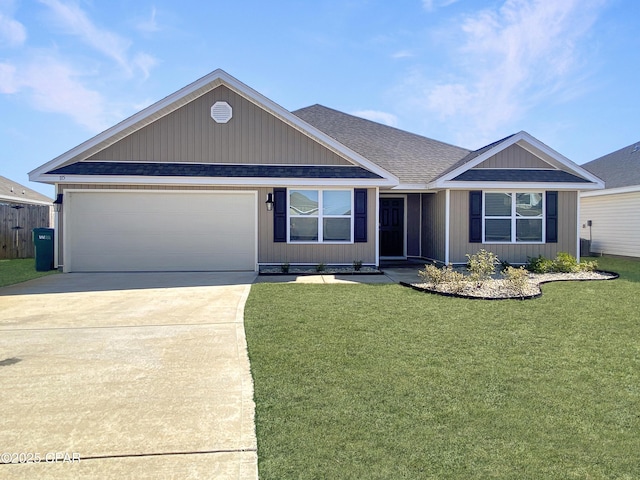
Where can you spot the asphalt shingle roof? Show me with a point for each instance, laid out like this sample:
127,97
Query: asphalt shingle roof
618,169
412,158
518,175
212,170
13,191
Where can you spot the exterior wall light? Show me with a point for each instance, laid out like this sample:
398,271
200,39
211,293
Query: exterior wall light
57,203
269,202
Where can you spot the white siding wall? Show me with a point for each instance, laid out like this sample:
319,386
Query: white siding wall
616,223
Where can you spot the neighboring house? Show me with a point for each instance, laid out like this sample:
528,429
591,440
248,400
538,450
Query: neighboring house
218,177
610,218
21,210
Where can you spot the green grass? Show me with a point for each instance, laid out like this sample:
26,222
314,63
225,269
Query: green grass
19,270
384,382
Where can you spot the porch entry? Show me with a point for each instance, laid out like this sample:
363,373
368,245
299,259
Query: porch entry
391,227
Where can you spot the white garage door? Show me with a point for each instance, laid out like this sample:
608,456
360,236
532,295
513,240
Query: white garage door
159,231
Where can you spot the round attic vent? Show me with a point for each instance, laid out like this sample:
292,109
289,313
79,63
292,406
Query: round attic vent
221,112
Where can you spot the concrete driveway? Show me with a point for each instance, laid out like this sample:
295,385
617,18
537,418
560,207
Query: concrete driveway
137,375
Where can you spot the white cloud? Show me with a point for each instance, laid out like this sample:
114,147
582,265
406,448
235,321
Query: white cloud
12,32
149,25
431,5
510,59
52,86
402,54
377,116
76,22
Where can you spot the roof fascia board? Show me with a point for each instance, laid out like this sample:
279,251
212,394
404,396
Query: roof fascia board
211,181
212,80
521,138
519,186
611,191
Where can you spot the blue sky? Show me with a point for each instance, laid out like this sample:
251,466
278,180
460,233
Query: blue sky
466,72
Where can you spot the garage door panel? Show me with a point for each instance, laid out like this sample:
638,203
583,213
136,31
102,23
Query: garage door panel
160,231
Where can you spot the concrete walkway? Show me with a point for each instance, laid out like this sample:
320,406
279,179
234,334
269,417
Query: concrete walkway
141,376
390,275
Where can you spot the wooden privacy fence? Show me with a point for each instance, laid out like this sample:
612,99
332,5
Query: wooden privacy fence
16,223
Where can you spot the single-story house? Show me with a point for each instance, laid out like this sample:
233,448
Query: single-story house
610,218
21,210
218,177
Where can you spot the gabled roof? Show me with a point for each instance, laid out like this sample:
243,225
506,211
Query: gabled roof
568,174
618,169
13,192
182,97
414,159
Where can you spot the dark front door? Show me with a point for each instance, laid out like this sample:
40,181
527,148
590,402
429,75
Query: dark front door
391,227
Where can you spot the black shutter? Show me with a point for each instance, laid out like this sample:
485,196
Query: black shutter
360,215
552,217
475,216
279,214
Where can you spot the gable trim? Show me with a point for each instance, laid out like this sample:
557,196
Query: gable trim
532,145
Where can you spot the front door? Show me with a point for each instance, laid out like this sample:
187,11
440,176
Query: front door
391,227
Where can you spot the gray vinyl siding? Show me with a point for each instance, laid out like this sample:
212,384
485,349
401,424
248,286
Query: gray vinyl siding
513,253
413,225
433,225
268,251
514,157
189,134
616,223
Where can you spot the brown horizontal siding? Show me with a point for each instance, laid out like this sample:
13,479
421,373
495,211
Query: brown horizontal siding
189,134
433,225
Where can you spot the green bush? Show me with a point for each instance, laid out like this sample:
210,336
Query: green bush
482,265
516,279
539,264
445,275
357,265
565,263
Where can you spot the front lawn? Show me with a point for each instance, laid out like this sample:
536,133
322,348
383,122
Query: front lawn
19,270
384,382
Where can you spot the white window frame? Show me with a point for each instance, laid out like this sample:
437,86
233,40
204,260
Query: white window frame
513,217
320,217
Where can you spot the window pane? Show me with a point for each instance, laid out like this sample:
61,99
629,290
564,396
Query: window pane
528,230
529,204
336,229
303,202
303,229
497,204
497,230
336,202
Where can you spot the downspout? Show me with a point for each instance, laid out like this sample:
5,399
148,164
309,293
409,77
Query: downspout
578,226
377,227
447,203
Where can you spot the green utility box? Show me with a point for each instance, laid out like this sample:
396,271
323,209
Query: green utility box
43,242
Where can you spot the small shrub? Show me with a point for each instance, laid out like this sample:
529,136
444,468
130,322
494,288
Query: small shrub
320,267
565,263
504,265
517,280
455,281
482,265
539,264
284,268
431,274
588,266
357,265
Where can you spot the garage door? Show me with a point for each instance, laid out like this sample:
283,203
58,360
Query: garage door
159,231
